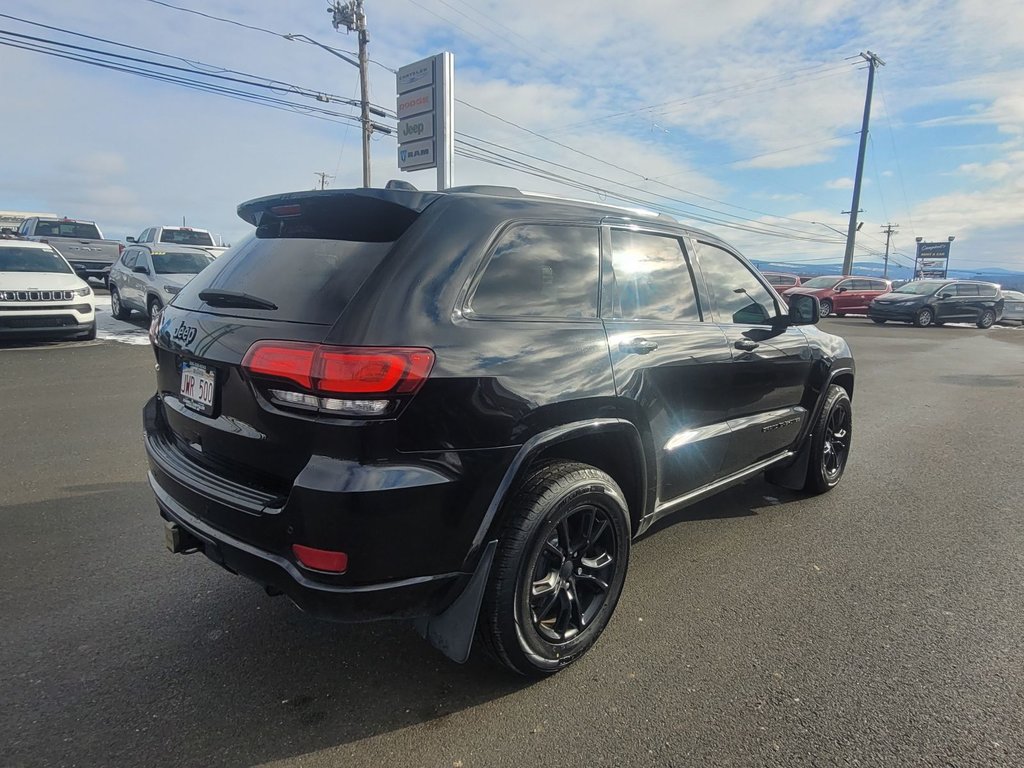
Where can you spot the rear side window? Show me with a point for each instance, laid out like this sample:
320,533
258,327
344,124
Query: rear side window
987,290
79,229
652,279
541,270
737,294
186,237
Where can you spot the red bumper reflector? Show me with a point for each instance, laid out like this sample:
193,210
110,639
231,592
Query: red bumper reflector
321,559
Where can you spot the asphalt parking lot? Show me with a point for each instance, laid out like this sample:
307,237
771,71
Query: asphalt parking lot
881,624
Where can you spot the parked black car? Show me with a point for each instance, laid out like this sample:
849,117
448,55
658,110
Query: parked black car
461,407
927,302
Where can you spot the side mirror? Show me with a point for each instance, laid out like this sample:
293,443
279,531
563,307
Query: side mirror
141,269
804,309
945,295
130,239
842,289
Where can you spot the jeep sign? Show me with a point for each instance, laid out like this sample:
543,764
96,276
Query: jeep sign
426,109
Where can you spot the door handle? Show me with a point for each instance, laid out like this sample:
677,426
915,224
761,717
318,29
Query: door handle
639,346
747,345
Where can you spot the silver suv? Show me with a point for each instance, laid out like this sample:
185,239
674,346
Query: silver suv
146,278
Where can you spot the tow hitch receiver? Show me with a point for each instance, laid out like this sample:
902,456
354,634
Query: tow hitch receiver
178,540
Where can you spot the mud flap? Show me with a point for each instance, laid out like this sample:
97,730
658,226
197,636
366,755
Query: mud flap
794,475
451,631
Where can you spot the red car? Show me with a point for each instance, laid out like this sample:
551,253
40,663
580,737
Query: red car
842,295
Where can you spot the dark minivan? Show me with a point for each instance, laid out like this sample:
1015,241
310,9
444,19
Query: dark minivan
928,302
461,407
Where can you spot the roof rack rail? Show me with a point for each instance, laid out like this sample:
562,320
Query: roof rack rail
635,210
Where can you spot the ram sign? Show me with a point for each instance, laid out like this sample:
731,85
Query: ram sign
426,109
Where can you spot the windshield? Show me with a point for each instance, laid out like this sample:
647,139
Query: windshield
80,229
180,263
921,287
186,237
820,282
33,260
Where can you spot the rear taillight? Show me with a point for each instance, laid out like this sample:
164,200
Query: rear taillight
343,381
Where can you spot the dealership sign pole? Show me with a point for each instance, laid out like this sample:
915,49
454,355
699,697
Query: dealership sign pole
426,117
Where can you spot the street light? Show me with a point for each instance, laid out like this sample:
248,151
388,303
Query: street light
359,20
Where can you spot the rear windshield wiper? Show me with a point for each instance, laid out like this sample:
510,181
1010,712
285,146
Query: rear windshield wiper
235,299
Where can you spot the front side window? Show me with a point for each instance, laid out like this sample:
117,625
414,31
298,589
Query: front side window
541,270
652,278
736,293
128,260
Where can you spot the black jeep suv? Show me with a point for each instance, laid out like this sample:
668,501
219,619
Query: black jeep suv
461,407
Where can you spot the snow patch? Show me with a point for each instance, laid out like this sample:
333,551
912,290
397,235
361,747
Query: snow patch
133,331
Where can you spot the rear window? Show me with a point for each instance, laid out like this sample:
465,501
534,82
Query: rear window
185,237
79,229
311,280
32,260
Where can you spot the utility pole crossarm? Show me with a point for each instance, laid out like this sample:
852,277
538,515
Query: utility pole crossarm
851,234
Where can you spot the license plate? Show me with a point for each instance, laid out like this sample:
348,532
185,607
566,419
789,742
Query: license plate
197,387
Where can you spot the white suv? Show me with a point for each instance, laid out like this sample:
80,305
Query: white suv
40,294
146,278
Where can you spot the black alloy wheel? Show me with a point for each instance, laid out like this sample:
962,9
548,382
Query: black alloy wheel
987,319
826,307
572,573
561,561
924,317
830,442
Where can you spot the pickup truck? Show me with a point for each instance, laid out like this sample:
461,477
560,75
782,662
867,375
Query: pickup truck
80,242
190,236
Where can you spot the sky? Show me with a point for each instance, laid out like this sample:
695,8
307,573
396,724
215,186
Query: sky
739,116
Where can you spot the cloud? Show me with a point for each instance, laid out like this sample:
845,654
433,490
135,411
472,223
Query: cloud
842,183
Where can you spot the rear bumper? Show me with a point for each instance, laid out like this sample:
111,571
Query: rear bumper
407,528
408,598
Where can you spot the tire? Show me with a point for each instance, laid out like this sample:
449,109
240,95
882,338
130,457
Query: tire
90,335
538,615
117,307
840,314
925,316
987,319
830,442
153,305
878,320
826,307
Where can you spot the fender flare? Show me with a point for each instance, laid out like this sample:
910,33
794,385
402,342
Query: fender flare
794,474
452,630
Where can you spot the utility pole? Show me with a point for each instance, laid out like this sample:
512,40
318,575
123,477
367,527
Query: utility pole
352,16
888,229
851,233
323,176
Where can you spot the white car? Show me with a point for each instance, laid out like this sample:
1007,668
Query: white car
146,278
40,294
